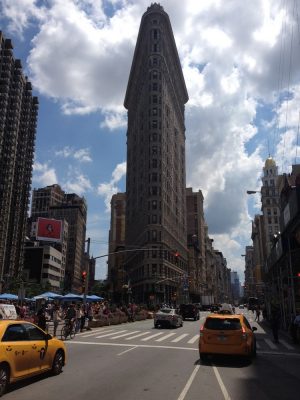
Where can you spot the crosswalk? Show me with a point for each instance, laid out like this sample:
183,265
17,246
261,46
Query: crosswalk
171,338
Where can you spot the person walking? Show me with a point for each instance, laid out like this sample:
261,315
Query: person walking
275,323
55,318
257,314
41,319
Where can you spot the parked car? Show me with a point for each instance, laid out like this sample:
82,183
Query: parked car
227,334
39,351
168,317
189,311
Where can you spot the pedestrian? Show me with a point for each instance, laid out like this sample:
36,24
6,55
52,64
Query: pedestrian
296,324
257,314
41,319
55,317
275,323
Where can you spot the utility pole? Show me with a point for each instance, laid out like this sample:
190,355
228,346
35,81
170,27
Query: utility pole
86,286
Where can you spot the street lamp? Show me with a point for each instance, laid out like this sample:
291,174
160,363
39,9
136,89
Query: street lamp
253,191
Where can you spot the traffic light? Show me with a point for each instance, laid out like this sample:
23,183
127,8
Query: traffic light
83,276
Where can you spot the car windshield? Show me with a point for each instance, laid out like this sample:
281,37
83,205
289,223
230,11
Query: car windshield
229,324
166,310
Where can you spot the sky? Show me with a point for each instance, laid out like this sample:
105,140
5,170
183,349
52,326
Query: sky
240,61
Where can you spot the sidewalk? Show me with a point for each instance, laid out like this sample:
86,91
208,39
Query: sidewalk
281,333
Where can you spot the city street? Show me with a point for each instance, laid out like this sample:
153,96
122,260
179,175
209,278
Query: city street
134,361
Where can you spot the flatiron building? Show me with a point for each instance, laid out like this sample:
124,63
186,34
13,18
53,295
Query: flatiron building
156,174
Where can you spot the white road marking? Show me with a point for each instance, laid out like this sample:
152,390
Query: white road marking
269,353
126,351
124,334
193,340
179,338
149,346
135,336
189,383
285,344
110,334
258,345
271,344
152,336
165,337
220,382
96,333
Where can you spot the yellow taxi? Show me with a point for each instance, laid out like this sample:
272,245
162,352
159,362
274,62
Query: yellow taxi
227,334
26,350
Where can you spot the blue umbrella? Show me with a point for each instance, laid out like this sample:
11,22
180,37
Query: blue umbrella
8,296
71,296
50,295
93,297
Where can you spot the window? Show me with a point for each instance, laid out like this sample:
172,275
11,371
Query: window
14,333
34,333
154,86
223,324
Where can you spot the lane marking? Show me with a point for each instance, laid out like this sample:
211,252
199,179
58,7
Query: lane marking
268,353
96,333
271,344
258,345
165,337
82,334
135,336
189,383
109,334
149,346
152,336
123,334
287,345
179,338
220,382
126,351
193,340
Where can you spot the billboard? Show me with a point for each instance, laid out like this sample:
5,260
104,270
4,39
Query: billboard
49,229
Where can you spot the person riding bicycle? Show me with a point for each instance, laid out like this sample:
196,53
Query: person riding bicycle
70,316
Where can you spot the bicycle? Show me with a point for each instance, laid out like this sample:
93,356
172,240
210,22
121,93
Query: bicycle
68,330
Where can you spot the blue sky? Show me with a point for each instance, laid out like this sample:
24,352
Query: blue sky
240,60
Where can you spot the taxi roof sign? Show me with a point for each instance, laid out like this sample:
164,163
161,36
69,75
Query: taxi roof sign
8,311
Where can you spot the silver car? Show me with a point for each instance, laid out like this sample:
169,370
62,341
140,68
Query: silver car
168,317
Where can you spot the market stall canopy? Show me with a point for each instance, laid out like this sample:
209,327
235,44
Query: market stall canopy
8,296
93,297
71,296
48,295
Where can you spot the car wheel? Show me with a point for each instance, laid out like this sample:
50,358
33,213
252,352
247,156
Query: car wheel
203,357
4,379
254,349
58,363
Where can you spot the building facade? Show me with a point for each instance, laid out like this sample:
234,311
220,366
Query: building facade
196,245
156,174
53,202
117,278
18,120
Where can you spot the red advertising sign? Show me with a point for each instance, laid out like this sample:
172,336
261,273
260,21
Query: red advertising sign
49,229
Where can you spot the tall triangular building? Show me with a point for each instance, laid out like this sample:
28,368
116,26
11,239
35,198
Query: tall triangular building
156,172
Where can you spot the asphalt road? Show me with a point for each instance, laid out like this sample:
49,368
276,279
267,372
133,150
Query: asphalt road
128,362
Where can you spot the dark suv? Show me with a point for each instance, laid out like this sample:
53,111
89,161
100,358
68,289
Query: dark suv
189,311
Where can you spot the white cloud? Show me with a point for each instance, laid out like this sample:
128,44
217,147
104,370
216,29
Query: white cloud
76,182
230,52
43,174
107,189
81,155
